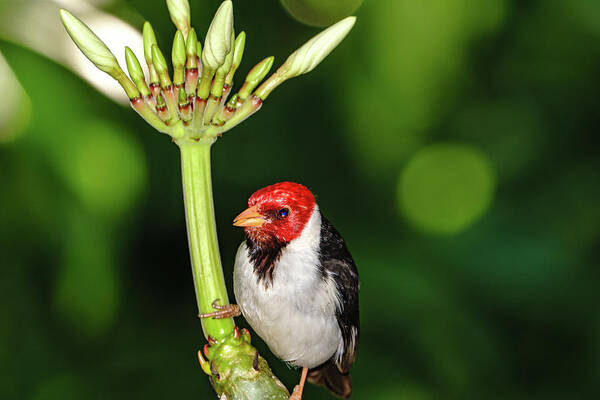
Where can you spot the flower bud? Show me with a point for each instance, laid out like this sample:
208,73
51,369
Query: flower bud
238,53
135,72
191,44
158,59
178,57
179,10
149,41
218,41
255,76
96,51
178,50
307,57
90,45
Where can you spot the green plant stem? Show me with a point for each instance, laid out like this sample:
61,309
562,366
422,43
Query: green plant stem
202,235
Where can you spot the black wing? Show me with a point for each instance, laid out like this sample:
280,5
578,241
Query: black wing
337,262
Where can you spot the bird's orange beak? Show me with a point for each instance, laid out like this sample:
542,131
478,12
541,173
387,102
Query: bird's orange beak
250,217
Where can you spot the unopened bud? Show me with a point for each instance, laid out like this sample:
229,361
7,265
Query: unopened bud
191,45
178,57
179,10
158,59
238,53
255,76
307,57
90,45
178,51
135,72
218,38
96,51
149,41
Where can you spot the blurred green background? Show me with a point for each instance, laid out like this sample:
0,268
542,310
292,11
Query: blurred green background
453,143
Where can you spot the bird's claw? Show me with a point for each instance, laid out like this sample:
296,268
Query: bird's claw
225,311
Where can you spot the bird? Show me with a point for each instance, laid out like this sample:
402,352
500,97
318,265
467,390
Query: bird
296,284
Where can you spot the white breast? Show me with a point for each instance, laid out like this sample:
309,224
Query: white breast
295,315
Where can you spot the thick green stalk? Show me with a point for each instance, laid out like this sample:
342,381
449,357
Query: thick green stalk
202,235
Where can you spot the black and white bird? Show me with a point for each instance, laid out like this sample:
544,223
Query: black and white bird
296,284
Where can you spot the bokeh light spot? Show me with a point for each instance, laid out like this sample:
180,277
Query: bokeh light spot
320,12
105,168
446,187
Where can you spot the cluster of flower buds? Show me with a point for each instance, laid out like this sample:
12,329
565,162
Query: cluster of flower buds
194,103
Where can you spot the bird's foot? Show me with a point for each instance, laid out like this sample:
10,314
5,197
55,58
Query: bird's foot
297,393
225,311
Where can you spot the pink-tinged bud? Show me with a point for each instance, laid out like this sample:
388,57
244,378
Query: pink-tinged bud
178,58
191,47
149,41
191,80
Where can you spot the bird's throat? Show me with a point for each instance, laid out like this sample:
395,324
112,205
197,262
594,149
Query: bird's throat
264,256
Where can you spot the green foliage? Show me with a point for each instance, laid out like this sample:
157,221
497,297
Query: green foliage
444,188
90,174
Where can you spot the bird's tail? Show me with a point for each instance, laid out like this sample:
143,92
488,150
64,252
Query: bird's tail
330,377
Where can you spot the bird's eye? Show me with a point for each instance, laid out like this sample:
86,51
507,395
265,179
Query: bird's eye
283,213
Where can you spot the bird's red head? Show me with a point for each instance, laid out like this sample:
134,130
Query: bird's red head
279,211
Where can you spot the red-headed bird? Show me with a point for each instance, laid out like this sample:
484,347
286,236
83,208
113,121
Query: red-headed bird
296,284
